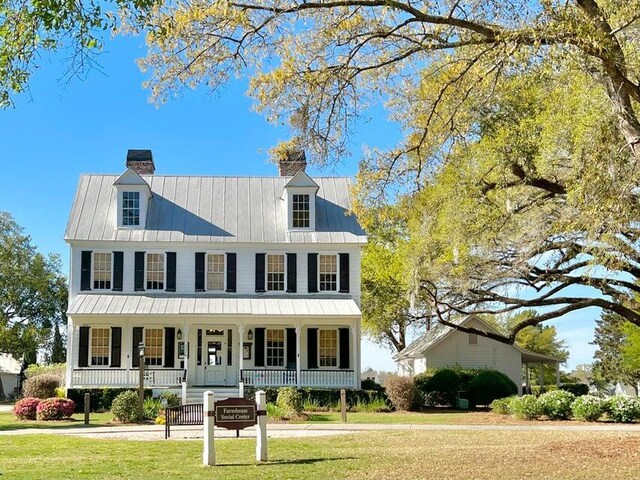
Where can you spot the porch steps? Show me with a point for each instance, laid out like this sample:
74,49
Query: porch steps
195,394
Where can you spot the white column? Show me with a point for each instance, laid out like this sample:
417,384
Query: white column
526,377
208,452
557,375
356,354
298,361
261,429
240,352
70,347
184,393
185,339
541,376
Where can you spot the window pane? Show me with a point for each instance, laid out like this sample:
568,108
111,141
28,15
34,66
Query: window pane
155,271
215,272
275,272
275,348
102,271
328,348
328,273
100,346
130,208
300,211
153,346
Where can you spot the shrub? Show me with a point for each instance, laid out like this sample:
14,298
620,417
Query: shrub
173,400
25,409
151,408
125,407
623,409
57,369
41,386
577,389
489,385
60,392
442,388
55,409
556,404
588,408
375,405
100,398
275,412
290,401
401,392
502,406
525,407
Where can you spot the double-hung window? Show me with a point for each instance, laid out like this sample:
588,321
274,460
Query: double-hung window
215,271
300,211
275,348
101,271
130,209
328,348
100,347
155,271
153,346
275,273
328,270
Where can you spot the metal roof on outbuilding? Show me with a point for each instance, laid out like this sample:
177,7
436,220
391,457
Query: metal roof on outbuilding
207,209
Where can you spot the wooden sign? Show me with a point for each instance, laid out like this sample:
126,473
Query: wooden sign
235,413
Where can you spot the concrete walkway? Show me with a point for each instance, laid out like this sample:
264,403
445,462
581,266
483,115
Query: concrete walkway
6,408
156,432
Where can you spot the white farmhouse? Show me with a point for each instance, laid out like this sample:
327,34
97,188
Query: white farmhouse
223,279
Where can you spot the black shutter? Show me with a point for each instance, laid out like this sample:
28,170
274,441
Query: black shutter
343,341
312,348
260,259
200,271
231,272
259,339
169,346
344,273
229,347
83,350
137,340
118,271
312,273
139,273
85,270
116,347
199,351
292,272
291,348
171,272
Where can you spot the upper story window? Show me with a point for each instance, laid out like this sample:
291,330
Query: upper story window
300,210
275,348
101,271
155,271
130,209
328,348
100,346
153,346
473,339
328,270
215,271
275,273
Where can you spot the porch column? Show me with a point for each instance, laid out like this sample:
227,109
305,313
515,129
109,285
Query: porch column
240,351
298,369
557,374
526,377
541,376
185,339
127,343
70,346
355,331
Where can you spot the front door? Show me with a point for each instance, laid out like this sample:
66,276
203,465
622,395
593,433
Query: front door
213,369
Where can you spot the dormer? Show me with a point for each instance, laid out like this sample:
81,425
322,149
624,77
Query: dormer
300,196
134,192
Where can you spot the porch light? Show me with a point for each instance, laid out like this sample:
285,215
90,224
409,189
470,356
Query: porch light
141,350
250,334
179,334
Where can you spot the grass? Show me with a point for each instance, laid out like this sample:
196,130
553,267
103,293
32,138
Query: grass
9,422
369,455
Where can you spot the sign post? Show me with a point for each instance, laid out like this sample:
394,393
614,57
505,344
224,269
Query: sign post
209,452
261,429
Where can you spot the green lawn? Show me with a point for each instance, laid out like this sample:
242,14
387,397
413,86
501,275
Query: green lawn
434,455
9,422
432,418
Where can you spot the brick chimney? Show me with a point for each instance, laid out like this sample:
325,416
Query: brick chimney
141,161
292,162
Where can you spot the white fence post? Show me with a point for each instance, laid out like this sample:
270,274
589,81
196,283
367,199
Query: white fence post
261,433
209,452
184,393
241,389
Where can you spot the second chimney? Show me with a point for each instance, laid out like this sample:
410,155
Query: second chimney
141,161
292,161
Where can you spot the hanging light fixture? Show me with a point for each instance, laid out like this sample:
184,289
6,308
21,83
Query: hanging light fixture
250,334
179,334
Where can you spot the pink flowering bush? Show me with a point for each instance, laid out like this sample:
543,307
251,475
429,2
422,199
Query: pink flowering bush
25,409
55,409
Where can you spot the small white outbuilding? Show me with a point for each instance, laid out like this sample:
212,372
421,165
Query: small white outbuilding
9,374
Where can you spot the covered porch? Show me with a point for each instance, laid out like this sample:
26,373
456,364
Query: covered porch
531,358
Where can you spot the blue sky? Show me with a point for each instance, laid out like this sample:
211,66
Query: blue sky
58,131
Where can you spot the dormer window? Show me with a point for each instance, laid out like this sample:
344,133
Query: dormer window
130,209
300,210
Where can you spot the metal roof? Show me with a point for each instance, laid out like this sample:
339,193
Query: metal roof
213,209
9,365
198,305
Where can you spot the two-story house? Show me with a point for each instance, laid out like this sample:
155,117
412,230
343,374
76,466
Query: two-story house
223,279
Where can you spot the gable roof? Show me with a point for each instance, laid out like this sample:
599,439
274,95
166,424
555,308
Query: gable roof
213,209
301,179
9,365
130,177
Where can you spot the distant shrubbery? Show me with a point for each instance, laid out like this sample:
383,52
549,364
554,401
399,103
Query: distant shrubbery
402,392
57,369
41,386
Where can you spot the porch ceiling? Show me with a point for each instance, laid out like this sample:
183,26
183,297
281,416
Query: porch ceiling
98,304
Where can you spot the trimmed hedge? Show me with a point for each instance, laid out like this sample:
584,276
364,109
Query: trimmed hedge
577,389
490,385
41,386
55,409
101,398
402,392
441,388
556,404
588,408
325,398
125,407
526,407
26,409
623,409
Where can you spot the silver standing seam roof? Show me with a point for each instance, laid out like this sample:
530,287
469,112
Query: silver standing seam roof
98,304
213,209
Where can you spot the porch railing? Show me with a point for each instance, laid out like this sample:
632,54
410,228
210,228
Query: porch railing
123,377
263,377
